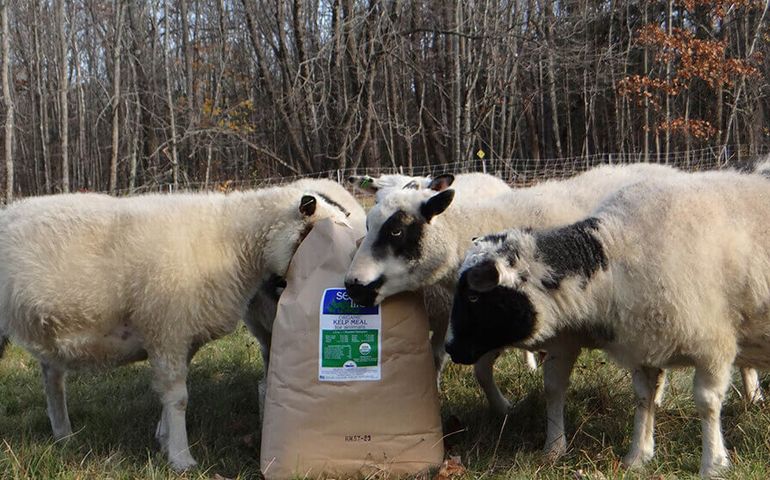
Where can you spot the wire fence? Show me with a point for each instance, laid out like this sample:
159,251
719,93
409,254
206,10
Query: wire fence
518,172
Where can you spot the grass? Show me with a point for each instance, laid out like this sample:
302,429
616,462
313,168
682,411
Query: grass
114,414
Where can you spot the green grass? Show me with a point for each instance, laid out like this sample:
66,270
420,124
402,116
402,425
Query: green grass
114,415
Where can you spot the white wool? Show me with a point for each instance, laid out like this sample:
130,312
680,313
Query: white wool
89,280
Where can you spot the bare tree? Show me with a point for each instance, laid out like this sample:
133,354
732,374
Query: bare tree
120,7
63,91
8,101
169,98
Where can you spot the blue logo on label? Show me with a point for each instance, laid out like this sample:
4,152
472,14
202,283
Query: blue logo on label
337,302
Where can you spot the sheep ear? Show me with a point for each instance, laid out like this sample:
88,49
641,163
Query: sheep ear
364,183
483,277
436,204
413,185
442,182
307,205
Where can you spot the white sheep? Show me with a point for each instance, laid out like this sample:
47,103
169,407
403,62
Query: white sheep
418,239
668,272
481,185
262,308
93,281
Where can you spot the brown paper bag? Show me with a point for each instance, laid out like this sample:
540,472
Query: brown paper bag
331,415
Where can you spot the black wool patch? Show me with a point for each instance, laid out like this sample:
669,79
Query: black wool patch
486,321
401,234
571,250
497,238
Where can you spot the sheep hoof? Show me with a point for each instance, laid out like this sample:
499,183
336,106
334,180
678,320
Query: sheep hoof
63,433
182,463
757,399
715,470
555,450
636,459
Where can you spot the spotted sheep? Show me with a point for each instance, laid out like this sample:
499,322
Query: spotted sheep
418,238
668,272
90,280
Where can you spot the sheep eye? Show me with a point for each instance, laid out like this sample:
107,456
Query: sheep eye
396,233
473,298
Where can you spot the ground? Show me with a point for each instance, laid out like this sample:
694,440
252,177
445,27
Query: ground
114,415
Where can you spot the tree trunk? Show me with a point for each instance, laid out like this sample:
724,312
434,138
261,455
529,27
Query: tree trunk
169,98
42,104
63,91
457,85
550,18
119,9
8,101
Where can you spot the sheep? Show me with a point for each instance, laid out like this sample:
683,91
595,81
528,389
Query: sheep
94,281
335,193
262,307
671,271
417,238
437,300
479,184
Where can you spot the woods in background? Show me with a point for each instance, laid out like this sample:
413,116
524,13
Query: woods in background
111,96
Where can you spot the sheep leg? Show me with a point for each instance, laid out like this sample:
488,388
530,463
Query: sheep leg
170,381
484,371
439,328
660,389
752,391
557,369
529,360
262,385
710,387
646,381
56,400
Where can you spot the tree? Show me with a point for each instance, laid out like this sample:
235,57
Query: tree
8,101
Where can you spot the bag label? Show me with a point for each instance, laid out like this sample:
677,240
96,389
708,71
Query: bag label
350,339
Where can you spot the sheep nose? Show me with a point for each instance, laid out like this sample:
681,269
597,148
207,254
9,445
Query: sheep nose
363,294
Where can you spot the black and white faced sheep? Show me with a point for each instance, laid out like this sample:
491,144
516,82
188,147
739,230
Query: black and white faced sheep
669,272
93,281
418,238
471,185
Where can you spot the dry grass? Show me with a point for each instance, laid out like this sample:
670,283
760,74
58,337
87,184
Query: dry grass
114,414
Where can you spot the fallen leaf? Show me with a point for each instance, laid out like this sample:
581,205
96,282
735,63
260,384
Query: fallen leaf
452,467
